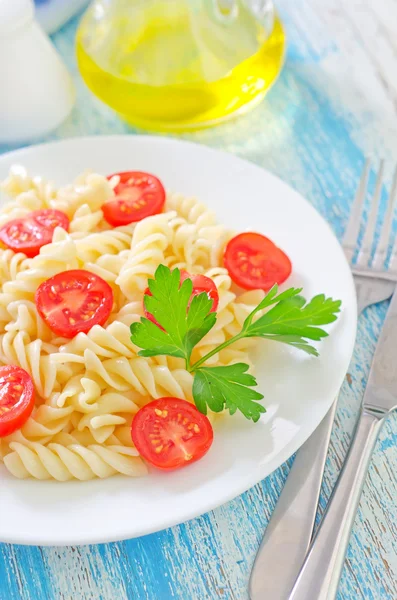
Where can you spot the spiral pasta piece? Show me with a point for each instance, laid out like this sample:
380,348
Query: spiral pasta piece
19,182
82,393
36,357
64,460
90,189
112,341
44,423
190,210
140,374
94,245
112,409
24,317
109,267
150,240
11,264
85,220
54,258
198,239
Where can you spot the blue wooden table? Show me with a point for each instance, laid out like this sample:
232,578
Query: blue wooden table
335,102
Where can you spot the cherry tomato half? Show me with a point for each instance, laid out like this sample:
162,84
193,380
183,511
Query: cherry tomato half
16,398
201,284
254,262
28,234
138,195
73,302
170,433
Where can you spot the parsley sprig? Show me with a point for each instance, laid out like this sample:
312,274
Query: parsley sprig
283,317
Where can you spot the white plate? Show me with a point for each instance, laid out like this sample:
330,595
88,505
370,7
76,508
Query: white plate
298,389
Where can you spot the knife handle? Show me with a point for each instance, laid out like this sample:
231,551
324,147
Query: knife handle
289,532
322,568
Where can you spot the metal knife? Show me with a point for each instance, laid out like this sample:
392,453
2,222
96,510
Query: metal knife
289,532
320,574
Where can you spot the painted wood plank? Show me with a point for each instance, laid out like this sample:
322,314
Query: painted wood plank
334,103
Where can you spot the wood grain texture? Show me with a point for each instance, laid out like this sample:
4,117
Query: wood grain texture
335,102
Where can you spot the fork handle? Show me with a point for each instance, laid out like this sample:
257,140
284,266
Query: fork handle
322,568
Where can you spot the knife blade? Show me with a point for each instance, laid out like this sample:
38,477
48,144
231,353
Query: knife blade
289,532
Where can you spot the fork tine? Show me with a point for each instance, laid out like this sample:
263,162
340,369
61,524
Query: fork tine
381,250
353,227
364,256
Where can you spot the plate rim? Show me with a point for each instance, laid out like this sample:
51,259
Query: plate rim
286,452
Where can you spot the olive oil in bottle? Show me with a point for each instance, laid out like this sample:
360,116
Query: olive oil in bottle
179,64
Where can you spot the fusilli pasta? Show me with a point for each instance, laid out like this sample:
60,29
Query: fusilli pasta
89,388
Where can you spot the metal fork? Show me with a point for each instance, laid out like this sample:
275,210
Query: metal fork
289,532
321,570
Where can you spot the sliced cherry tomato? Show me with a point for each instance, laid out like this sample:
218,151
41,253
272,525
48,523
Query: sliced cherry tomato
201,284
138,195
30,233
16,398
255,262
73,302
170,433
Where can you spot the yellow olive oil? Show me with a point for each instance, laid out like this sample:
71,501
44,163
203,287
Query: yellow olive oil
165,67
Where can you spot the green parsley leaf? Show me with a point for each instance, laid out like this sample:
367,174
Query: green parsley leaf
153,340
183,327
199,321
292,320
184,321
227,387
